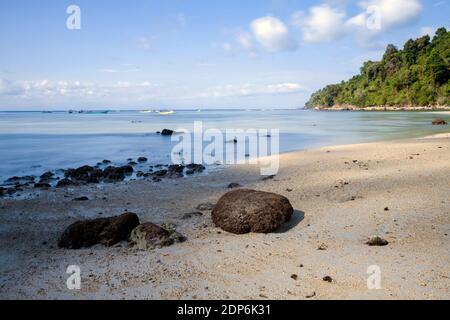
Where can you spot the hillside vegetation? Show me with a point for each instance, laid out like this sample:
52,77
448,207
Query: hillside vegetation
418,75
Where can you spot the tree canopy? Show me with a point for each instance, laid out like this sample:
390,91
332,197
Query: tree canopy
417,75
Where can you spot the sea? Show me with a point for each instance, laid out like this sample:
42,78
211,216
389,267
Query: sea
35,142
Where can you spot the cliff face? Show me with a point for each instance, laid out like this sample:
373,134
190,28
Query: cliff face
418,75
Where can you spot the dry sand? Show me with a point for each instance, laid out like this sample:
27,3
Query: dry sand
339,193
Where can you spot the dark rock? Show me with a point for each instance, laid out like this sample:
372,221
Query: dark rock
42,185
271,177
167,132
20,180
160,173
106,231
190,172
47,176
294,277
190,215
148,236
439,122
132,163
377,242
234,185
328,279
205,206
106,161
114,174
244,211
65,183
140,174
81,199
195,168
2,191
142,159
175,171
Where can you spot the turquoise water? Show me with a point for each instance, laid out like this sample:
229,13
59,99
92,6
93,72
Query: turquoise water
34,142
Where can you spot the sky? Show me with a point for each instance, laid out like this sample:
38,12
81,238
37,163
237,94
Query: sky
191,54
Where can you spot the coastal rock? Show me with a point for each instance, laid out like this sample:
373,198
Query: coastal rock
42,185
2,191
47,176
234,185
208,206
81,199
84,174
244,211
106,231
160,173
115,174
175,171
20,180
142,159
65,183
195,168
148,236
377,242
439,122
167,132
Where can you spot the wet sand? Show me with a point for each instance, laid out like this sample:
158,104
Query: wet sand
342,196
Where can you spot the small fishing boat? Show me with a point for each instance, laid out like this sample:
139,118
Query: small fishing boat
166,113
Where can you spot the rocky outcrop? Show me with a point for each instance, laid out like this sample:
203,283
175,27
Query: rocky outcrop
167,132
244,211
106,231
194,168
439,122
148,236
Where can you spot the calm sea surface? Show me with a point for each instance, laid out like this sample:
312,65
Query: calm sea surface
34,142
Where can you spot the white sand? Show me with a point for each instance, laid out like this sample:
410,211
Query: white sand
339,203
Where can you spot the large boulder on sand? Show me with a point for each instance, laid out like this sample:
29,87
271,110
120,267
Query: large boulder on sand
107,231
244,211
149,236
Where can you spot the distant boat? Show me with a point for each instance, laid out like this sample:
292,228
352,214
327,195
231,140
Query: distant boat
166,113
146,111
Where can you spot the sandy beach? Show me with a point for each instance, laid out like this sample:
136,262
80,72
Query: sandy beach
342,195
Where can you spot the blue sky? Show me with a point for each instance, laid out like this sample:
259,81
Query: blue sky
195,53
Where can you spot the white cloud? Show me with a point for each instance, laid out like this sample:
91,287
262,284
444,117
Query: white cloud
252,90
272,34
329,21
392,14
64,89
323,23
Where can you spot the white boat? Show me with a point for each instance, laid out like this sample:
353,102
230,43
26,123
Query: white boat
146,111
166,113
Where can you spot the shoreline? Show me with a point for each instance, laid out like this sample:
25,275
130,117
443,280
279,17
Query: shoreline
382,108
340,194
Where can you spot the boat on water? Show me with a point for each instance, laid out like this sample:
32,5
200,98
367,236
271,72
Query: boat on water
146,111
166,113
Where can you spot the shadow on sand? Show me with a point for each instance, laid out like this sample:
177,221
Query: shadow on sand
297,217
